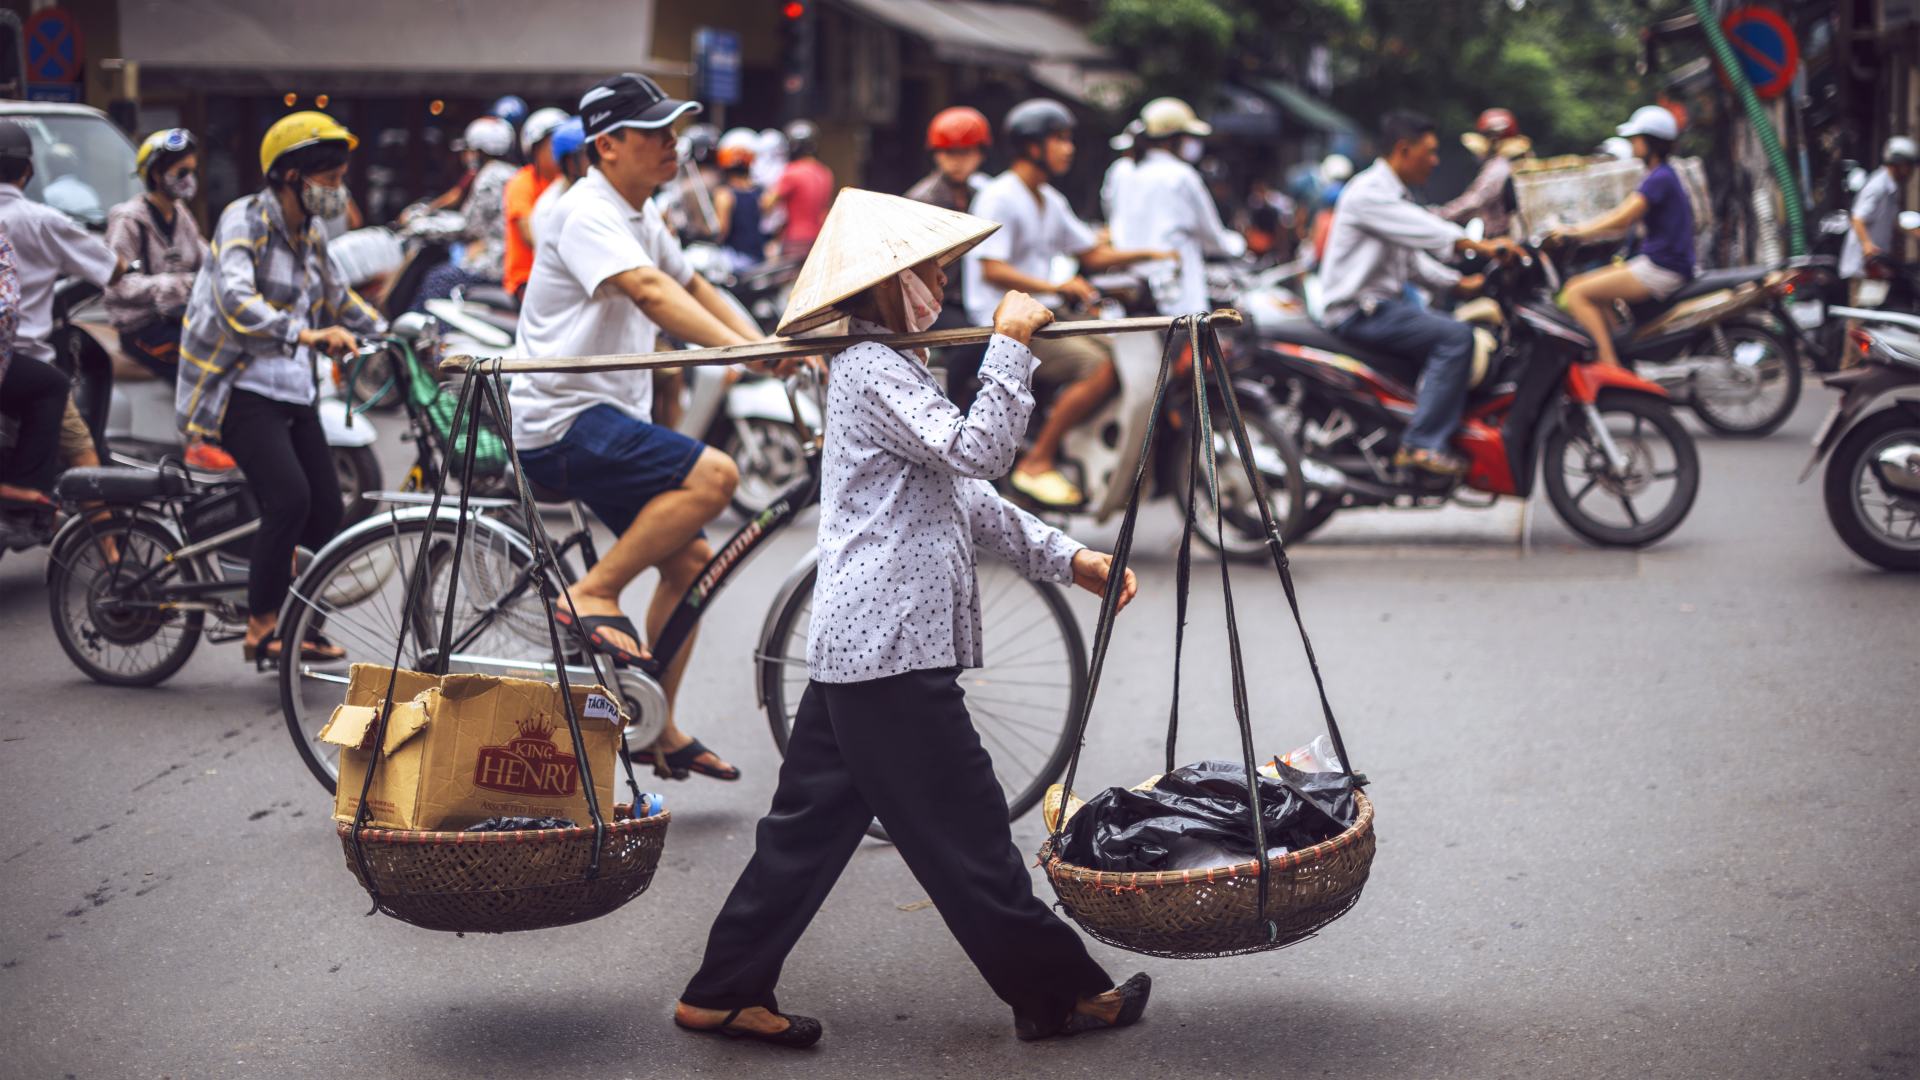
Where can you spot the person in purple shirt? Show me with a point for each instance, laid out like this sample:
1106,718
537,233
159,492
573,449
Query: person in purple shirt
1664,262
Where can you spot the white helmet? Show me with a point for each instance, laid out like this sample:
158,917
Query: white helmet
1900,148
490,135
1650,120
1336,168
1167,116
538,126
1618,148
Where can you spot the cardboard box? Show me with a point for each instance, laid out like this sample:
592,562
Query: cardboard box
464,748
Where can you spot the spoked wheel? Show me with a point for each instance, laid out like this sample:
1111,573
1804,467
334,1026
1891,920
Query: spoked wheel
355,594
1638,504
1879,521
1278,459
770,456
1023,701
1754,390
111,625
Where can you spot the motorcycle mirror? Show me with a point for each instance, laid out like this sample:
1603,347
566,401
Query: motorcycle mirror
1476,229
1910,220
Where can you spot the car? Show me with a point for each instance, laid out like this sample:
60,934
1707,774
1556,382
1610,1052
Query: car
82,162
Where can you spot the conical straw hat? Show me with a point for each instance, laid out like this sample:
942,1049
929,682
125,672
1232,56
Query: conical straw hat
867,238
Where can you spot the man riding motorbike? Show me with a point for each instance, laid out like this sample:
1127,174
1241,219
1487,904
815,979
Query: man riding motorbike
1664,263
1379,240
1875,209
1038,224
958,139
1165,204
523,191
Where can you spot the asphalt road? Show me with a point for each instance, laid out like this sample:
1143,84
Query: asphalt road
1641,815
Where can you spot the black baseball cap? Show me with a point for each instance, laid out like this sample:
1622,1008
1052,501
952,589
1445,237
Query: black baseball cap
14,141
630,100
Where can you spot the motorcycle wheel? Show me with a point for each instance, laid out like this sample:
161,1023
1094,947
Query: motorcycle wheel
780,461
1660,455
1278,460
359,471
1879,528
1750,400
110,629
374,385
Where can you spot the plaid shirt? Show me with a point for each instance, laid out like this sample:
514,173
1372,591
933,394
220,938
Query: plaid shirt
250,302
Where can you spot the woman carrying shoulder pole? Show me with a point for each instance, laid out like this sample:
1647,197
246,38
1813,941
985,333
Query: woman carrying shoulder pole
882,730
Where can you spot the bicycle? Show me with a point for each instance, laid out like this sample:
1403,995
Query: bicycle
150,553
500,626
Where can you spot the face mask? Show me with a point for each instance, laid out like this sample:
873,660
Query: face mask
182,186
922,304
1191,149
324,202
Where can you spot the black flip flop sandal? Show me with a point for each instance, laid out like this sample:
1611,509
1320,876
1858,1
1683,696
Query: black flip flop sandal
681,763
588,627
1133,1003
801,1031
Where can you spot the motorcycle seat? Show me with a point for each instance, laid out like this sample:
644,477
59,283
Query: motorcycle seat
118,485
1314,336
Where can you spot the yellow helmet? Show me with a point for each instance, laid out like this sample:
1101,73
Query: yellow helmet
172,140
295,130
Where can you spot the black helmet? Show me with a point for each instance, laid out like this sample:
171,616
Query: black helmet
1035,118
801,135
15,143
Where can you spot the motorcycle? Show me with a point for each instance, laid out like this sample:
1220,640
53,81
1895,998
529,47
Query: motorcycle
1101,455
1871,442
131,412
1727,345
1602,434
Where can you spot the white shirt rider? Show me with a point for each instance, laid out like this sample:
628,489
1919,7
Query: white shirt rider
1165,205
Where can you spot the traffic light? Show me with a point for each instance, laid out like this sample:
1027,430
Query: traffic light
799,56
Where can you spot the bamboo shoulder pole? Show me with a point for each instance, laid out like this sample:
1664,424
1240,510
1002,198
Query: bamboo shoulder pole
782,348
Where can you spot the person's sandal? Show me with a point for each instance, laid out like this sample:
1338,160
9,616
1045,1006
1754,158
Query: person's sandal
800,1032
1432,462
682,763
1133,1003
1050,488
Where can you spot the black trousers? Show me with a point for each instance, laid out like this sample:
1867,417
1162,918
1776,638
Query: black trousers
904,750
282,451
35,395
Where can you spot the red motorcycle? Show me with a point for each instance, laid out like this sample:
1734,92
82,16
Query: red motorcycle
1619,467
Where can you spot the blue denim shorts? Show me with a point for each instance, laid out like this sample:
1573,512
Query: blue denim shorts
613,463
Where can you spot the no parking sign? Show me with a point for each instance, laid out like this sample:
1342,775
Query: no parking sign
53,47
1765,45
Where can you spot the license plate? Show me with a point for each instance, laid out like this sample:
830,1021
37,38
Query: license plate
1808,314
1826,426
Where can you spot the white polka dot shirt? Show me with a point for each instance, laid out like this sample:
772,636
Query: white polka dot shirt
906,494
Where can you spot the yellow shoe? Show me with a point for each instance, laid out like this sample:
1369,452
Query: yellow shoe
1049,488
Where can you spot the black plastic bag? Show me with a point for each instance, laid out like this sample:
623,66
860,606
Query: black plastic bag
1197,816
520,824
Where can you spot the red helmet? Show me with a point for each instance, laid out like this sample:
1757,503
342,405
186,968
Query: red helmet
1497,124
958,128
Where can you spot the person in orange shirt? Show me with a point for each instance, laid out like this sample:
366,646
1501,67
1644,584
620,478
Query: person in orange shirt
536,138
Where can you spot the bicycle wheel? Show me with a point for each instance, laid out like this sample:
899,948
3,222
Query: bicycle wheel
355,593
115,631
1023,699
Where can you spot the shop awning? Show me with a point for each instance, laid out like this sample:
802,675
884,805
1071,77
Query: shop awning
416,46
1307,109
1051,50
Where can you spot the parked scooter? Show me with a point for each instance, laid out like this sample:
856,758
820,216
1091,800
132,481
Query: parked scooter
1871,442
1606,437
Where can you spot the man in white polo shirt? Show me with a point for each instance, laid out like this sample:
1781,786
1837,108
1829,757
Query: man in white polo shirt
1037,224
608,275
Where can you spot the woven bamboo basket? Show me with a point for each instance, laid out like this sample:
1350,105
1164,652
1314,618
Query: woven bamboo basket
496,882
1188,914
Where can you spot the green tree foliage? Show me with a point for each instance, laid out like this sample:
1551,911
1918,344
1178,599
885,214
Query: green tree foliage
1567,68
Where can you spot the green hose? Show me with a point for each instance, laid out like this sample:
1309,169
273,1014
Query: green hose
1762,124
